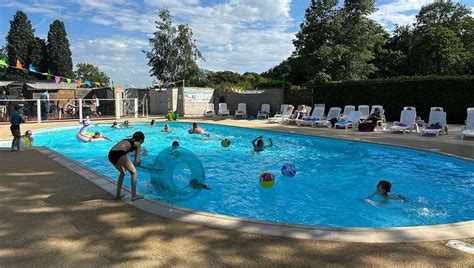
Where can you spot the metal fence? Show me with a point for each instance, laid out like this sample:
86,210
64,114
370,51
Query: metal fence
37,110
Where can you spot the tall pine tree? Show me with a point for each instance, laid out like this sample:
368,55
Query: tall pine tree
38,55
19,39
59,52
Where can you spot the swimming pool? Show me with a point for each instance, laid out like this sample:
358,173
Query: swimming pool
333,176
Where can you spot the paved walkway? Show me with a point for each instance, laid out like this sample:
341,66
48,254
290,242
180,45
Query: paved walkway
52,217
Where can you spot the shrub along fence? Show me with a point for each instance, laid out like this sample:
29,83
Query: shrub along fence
454,94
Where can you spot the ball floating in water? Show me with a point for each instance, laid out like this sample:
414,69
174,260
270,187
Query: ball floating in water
267,180
225,143
288,170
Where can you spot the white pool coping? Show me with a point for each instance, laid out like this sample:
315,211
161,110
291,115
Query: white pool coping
340,234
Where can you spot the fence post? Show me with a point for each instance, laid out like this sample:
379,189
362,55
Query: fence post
80,110
117,106
38,110
135,107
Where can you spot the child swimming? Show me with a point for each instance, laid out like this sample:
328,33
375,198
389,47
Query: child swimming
382,190
166,128
259,144
198,130
115,125
126,124
152,123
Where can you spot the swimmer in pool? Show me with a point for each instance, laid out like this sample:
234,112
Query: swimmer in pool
166,128
195,184
382,190
198,130
115,125
97,135
175,144
152,123
126,124
259,144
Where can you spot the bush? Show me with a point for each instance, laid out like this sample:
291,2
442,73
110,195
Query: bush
454,94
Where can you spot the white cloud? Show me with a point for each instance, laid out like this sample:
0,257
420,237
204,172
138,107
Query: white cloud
119,56
401,12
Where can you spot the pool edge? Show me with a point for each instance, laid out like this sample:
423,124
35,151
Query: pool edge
456,230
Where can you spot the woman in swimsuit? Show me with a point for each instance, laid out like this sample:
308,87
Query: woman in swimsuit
118,156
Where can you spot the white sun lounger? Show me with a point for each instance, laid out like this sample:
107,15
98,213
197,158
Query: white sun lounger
352,120
305,112
333,113
318,114
209,112
468,129
364,111
280,117
223,109
436,117
432,109
241,110
407,122
264,111
347,110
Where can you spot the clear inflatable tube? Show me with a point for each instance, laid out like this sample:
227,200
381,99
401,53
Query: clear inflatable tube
163,169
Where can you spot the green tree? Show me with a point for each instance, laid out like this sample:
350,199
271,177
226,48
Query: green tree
59,52
439,51
38,54
19,38
317,30
89,72
443,13
173,52
339,43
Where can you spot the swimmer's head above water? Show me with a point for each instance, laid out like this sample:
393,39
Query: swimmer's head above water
175,144
384,187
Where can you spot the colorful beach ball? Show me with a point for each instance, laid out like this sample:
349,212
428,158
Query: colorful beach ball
288,170
225,143
267,180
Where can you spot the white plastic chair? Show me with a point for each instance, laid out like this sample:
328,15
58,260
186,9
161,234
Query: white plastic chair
264,111
223,109
241,110
347,110
306,110
433,109
436,117
209,112
318,114
468,129
352,120
334,112
407,122
284,116
364,111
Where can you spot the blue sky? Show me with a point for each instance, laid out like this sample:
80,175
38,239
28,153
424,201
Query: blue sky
236,35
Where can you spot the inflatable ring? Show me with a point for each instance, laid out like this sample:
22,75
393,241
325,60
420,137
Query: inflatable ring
163,169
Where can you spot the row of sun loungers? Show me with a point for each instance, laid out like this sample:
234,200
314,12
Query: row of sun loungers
350,118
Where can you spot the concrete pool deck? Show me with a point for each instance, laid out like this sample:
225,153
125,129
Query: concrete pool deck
72,229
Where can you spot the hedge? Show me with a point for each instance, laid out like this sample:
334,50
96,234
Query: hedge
454,94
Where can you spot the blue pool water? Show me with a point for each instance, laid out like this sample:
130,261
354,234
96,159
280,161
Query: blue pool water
333,176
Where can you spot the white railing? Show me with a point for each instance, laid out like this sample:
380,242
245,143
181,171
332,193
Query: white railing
57,109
